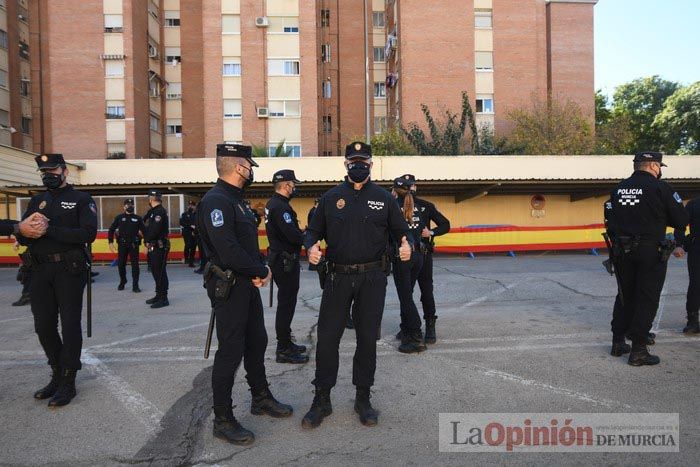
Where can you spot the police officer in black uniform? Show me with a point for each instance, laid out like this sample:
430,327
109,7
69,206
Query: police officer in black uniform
285,238
60,265
156,238
312,211
355,218
429,215
188,223
130,230
233,276
642,207
406,273
691,244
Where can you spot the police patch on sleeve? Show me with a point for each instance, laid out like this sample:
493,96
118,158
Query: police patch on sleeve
287,218
677,197
217,218
157,218
93,208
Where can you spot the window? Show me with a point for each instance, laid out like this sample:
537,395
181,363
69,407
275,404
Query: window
115,110
294,150
23,49
26,125
24,87
378,19
230,24
174,91
325,53
483,60
153,85
327,124
116,150
379,55
3,79
284,108
114,68
325,18
155,123
232,67
283,67
379,125
114,23
173,127
173,55
484,103
172,19
380,90
233,108
2,4
291,25
483,19
327,89
4,118
3,39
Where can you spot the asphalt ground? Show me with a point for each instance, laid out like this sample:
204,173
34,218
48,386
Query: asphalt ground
522,335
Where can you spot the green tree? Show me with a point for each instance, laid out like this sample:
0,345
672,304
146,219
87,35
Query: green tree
678,123
550,127
602,108
640,101
391,142
280,151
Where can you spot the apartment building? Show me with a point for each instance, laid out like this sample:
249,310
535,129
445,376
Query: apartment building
16,124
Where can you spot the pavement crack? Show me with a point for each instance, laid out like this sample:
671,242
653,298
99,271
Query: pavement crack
468,276
222,459
571,289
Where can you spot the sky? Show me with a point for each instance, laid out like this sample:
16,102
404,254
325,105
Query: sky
637,38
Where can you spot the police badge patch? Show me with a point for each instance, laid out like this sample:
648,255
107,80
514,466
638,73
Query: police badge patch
42,205
217,218
677,197
287,217
340,204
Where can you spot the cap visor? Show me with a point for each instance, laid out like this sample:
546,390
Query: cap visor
298,182
48,167
358,156
662,164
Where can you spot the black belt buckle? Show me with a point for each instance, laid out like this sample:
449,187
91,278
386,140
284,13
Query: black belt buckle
353,268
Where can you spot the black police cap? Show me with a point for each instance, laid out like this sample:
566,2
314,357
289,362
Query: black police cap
155,193
50,161
285,175
236,150
409,177
403,182
649,156
358,150
128,201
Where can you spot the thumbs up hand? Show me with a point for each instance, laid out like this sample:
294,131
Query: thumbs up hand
315,253
405,250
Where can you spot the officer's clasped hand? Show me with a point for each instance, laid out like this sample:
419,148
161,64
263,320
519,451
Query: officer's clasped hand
315,253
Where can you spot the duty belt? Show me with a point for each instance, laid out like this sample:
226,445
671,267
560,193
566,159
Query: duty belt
356,268
50,258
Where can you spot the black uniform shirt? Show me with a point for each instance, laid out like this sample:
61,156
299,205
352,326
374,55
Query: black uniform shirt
188,219
416,225
282,226
156,223
310,215
72,221
693,210
228,232
356,223
429,213
608,217
644,206
7,226
129,226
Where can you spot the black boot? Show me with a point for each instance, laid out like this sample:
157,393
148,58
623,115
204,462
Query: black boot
399,335
66,389
693,326
151,301
412,342
121,285
50,389
430,336
226,427
619,347
368,415
163,301
640,355
650,340
23,300
287,354
264,403
320,408
135,288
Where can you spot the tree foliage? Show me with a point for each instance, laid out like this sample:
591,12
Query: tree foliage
678,124
280,151
391,142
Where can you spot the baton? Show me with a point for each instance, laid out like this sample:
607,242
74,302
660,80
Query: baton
272,289
210,331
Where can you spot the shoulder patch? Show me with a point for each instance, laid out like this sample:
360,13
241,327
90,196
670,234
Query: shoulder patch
157,218
677,197
93,208
217,218
287,218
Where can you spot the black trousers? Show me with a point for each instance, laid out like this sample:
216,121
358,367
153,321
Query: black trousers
240,331
202,256
425,283
130,251
405,277
340,291
287,290
642,275
158,258
692,304
191,243
55,293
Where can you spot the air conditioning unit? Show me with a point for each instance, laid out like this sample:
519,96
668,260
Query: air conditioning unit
171,97
262,22
263,112
152,52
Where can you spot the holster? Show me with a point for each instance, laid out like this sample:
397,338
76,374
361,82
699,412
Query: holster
624,245
224,280
666,248
323,269
76,261
288,261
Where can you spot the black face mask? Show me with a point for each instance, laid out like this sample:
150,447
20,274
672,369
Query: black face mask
659,175
358,172
129,209
190,209
51,180
293,193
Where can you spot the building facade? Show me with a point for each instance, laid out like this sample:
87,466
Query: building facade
171,78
